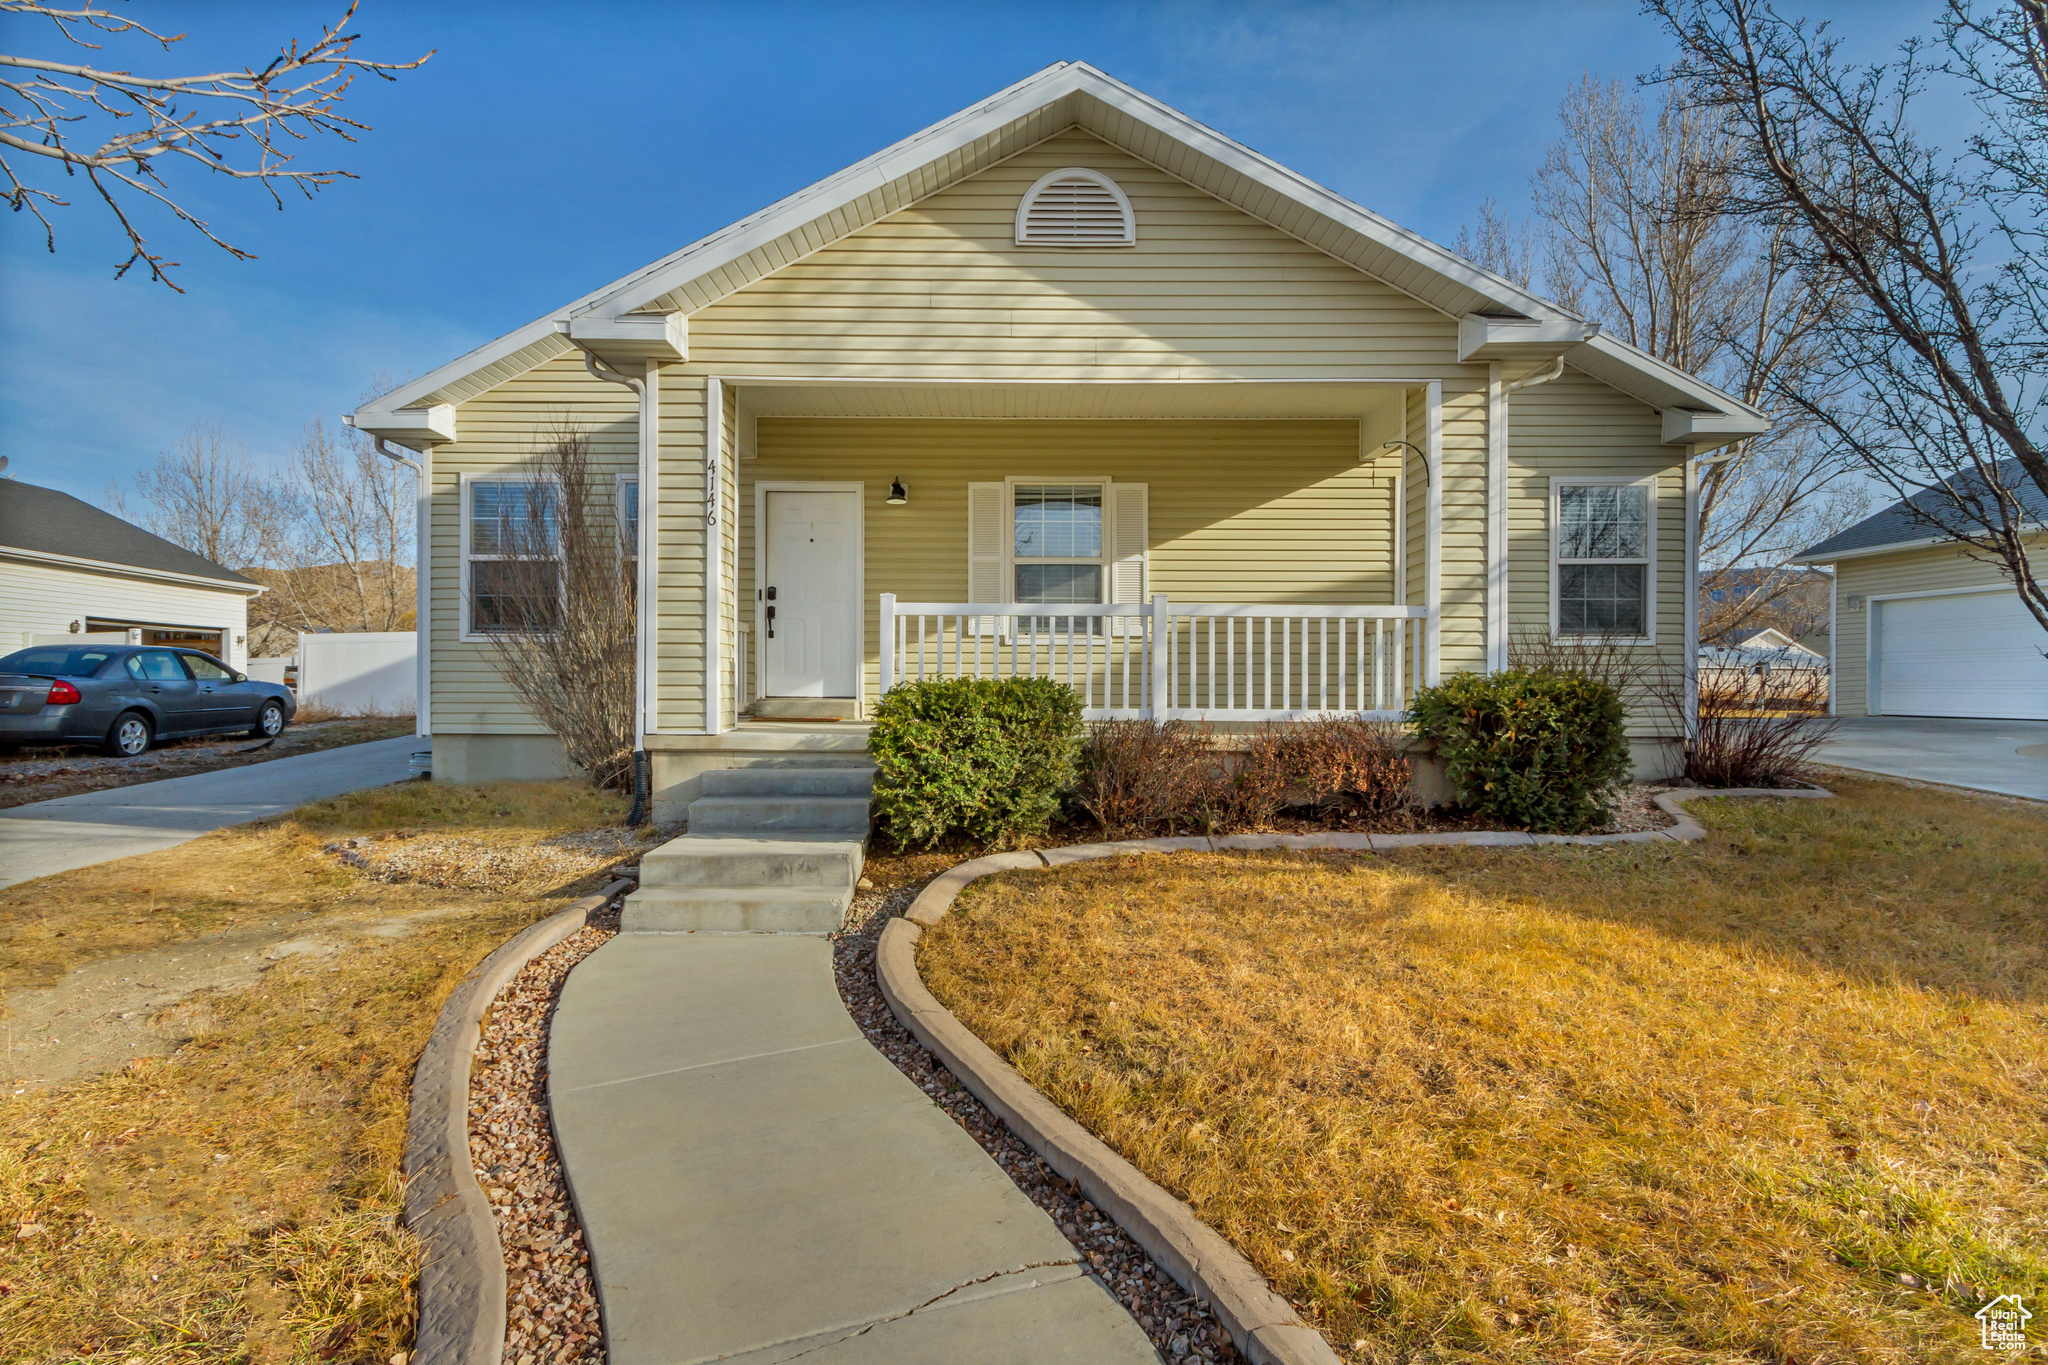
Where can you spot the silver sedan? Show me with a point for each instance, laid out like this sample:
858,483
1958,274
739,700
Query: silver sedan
126,697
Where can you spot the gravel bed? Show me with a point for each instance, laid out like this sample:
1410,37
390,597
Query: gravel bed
551,1311
484,865
1181,1326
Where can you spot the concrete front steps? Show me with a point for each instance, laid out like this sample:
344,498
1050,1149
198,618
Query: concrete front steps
770,850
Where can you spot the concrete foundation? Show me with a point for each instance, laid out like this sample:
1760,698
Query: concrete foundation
500,758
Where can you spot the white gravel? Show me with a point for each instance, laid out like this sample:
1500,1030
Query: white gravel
483,865
551,1310
1181,1326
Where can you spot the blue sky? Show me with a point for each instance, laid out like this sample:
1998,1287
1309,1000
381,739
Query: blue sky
548,149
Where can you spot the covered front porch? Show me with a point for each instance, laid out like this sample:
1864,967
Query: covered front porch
1241,551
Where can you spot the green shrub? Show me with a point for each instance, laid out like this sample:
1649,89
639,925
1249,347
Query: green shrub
1532,748
973,756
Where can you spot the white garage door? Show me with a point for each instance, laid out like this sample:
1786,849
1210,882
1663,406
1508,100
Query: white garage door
1973,654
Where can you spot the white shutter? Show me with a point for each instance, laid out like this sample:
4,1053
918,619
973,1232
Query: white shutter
1128,535
988,527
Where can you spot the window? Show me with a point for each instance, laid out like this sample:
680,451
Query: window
1604,539
157,665
205,669
626,515
1056,553
511,548
1075,207
64,661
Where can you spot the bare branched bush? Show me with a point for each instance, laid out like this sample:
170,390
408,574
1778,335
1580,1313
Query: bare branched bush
1141,776
1159,777
1640,675
555,596
1757,730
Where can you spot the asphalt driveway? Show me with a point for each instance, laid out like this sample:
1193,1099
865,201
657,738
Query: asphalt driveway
2005,756
46,837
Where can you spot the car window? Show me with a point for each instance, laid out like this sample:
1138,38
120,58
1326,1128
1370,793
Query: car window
205,669
58,661
133,663
160,665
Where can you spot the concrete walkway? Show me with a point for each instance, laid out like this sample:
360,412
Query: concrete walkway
758,1184
46,837
2005,756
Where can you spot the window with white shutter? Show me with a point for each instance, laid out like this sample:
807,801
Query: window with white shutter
1129,536
1076,207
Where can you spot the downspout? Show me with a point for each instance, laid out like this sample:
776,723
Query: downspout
642,776
423,562
1543,376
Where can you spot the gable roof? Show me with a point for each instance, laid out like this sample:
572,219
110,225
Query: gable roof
1063,95
1896,527
46,524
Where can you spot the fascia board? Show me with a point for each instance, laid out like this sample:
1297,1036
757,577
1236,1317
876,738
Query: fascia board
1683,427
1661,386
1484,338
105,566
640,336
414,428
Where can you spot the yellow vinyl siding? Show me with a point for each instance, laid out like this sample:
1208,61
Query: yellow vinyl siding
501,432
940,290
1935,569
1238,511
679,521
1572,426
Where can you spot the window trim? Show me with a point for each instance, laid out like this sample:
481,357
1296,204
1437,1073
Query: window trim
1105,551
1558,483
468,633
619,484
1130,234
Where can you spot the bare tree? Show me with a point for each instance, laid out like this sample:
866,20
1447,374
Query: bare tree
207,495
1935,376
240,123
341,551
1633,209
554,591
1499,243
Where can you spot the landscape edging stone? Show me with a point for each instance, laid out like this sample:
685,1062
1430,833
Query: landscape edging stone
462,1266
1260,1320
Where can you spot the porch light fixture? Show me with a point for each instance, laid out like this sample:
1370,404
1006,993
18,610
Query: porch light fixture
898,495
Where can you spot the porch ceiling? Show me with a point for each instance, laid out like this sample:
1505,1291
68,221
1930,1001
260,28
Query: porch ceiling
1377,404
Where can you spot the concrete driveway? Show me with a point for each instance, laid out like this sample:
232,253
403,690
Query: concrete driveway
2005,756
46,837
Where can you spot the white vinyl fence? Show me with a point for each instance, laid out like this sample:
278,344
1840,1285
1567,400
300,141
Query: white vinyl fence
359,673
1223,661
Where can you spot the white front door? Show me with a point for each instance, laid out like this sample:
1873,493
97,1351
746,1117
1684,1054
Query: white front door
810,636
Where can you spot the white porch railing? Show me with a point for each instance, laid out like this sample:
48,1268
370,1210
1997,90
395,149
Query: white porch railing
1221,661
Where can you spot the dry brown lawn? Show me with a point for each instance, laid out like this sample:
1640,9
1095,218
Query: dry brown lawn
1778,1096
238,1199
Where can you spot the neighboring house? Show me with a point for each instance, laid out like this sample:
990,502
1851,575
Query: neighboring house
1768,663
1055,358
67,569
1923,629
1736,602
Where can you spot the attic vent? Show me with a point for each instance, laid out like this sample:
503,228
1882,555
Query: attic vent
1075,207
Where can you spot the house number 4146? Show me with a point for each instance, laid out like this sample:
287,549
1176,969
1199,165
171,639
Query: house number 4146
711,492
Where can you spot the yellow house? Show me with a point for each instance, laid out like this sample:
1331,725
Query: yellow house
1067,383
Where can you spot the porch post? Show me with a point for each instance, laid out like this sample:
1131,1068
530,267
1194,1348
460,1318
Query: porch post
423,586
644,549
1160,636
1433,565
714,558
885,672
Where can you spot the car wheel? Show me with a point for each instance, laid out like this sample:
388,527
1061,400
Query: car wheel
130,736
269,721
